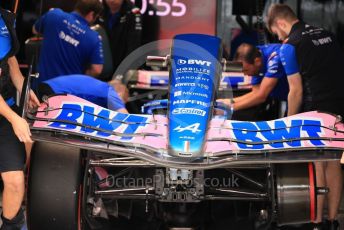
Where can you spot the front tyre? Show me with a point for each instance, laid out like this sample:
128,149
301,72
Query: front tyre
54,187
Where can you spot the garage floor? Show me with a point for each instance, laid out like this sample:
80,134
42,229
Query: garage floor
341,220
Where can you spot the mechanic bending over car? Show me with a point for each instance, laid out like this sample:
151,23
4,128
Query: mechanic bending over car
13,128
269,79
109,95
318,85
70,46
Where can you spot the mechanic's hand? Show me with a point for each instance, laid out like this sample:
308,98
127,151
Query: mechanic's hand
226,101
33,101
21,129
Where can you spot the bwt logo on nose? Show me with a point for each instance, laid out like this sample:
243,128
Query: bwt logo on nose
193,62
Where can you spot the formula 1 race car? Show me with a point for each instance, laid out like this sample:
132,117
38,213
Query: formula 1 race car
92,168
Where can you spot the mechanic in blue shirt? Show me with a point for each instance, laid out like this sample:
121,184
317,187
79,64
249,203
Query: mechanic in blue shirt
70,46
268,76
317,86
13,128
86,87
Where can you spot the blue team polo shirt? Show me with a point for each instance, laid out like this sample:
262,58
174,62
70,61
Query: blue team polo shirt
273,68
289,59
5,39
88,88
69,44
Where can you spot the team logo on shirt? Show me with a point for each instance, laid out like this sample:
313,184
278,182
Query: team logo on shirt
272,55
68,39
4,30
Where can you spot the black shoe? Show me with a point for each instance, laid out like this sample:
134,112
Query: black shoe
313,226
14,224
317,226
332,225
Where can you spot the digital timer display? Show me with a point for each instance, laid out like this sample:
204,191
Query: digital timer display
181,16
176,8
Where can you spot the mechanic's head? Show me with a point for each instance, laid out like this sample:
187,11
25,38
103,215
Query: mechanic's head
89,9
251,58
280,20
114,5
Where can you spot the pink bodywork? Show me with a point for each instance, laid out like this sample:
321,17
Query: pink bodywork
218,129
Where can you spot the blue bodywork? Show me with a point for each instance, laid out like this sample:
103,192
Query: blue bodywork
194,77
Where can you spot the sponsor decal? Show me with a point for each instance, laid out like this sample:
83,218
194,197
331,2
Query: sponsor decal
68,39
186,101
322,41
194,78
193,70
193,62
192,111
272,55
277,130
271,63
104,119
185,85
178,93
4,30
202,86
190,94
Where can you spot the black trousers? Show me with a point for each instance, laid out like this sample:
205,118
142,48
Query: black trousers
12,151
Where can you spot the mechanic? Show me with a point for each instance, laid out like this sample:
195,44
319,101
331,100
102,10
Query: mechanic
88,88
70,46
317,86
268,77
123,24
13,129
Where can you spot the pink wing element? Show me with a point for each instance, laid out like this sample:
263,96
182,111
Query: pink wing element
222,136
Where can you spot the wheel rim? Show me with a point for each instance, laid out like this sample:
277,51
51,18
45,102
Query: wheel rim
296,195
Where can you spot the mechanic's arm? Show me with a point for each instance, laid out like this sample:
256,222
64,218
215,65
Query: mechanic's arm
19,125
96,59
41,22
291,67
259,94
94,70
255,82
295,93
247,95
18,80
16,76
229,101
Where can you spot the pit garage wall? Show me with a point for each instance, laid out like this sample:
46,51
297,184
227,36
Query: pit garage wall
226,22
324,13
